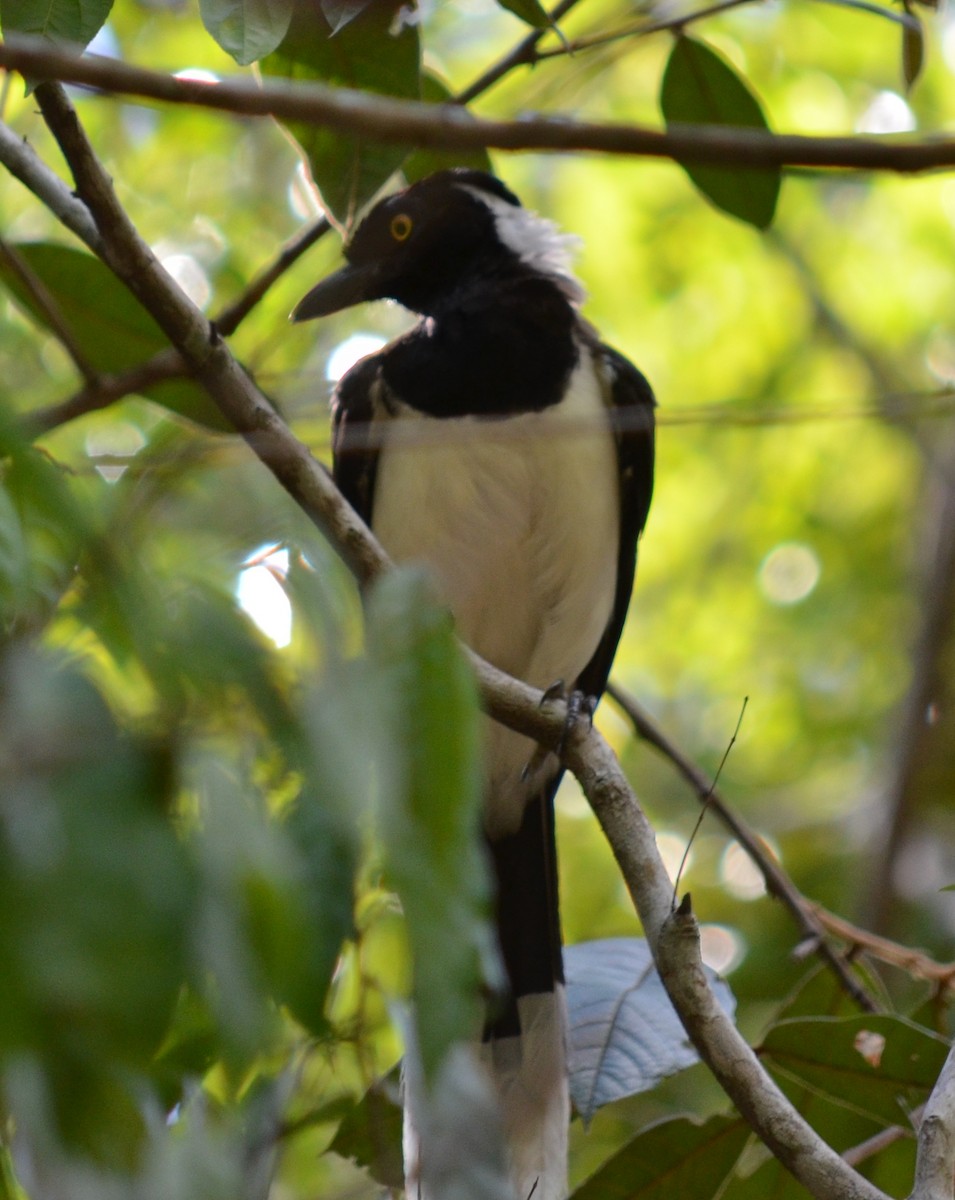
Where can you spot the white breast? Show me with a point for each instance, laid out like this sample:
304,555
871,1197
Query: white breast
519,519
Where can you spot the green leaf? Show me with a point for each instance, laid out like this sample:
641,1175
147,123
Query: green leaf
247,29
328,854
677,1157
913,48
96,891
430,809
874,1065
701,88
424,161
370,1134
530,11
375,51
113,328
63,22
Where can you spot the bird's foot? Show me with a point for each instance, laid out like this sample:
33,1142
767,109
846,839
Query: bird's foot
579,704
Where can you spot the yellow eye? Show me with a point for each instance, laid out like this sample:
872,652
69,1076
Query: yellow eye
401,227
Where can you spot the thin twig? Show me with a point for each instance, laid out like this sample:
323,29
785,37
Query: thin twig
778,883
49,309
874,1145
525,53
642,28
105,390
22,161
705,803
915,964
229,319
450,127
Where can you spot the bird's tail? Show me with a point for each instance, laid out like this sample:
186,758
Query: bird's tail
516,1097
525,1043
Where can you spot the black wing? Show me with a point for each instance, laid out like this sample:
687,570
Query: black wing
631,405
354,444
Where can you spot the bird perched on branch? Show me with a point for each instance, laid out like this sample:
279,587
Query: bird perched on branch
527,508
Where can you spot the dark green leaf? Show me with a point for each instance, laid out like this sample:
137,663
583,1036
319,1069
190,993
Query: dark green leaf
875,1065
247,29
431,809
913,49
701,88
530,11
63,22
375,51
96,891
111,325
327,848
423,162
673,1158
370,1135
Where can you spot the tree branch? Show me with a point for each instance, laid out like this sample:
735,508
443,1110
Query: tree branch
449,126
22,161
104,390
814,1163
778,883
525,53
935,1161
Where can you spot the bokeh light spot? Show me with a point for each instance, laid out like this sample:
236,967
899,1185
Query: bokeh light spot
789,572
261,595
348,352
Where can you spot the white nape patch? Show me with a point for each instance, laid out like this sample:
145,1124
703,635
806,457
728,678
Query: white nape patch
537,241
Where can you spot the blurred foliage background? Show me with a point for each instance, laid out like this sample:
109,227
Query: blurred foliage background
187,742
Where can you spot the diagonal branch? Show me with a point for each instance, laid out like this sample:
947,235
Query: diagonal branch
450,127
813,1162
778,883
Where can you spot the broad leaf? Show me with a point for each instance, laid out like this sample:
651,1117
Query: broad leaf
671,1159
247,29
913,48
63,22
96,891
430,809
110,324
624,1033
531,11
874,1065
370,1135
701,88
375,51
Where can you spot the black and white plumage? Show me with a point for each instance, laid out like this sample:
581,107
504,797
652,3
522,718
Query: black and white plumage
525,493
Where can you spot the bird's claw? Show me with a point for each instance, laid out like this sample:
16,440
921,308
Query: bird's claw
578,704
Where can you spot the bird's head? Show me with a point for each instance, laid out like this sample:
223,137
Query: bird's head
423,244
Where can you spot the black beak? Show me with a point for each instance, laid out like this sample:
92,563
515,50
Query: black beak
351,285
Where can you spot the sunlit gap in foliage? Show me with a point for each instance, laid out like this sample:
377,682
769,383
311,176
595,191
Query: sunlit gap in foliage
111,447
888,112
721,949
789,573
672,847
740,875
261,594
348,352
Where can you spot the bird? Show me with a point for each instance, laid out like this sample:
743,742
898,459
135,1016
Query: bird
525,495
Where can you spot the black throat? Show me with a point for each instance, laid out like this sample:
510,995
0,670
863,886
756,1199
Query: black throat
498,345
